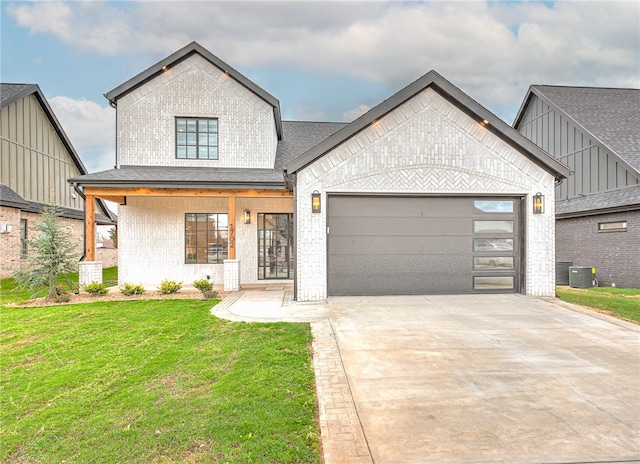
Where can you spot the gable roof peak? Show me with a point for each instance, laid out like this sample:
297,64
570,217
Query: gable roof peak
180,55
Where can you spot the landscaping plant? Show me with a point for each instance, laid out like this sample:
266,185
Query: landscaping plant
169,286
206,287
51,255
96,288
132,289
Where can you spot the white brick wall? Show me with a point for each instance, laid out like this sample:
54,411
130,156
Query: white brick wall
425,146
151,238
195,88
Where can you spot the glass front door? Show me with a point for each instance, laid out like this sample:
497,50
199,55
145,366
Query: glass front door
275,246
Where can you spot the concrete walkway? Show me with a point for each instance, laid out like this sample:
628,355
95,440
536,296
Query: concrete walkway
465,379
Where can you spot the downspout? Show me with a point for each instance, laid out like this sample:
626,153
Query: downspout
84,229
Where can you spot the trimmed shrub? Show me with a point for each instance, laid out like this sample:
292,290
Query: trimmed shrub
169,286
206,287
96,288
132,289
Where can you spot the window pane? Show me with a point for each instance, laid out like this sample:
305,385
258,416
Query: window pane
493,262
612,225
213,125
181,152
213,139
492,244
191,125
181,125
213,153
483,227
191,152
223,221
182,139
191,139
494,206
492,283
203,125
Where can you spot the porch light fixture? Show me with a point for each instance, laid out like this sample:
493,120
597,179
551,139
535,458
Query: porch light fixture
247,216
315,202
538,203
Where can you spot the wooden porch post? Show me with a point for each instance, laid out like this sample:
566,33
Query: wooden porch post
232,227
90,228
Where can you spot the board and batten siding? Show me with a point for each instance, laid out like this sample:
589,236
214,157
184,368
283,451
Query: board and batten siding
426,146
195,88
594,169
35,162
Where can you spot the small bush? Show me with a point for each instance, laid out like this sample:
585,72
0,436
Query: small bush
169,286
132,289
96,288
206,287
61,294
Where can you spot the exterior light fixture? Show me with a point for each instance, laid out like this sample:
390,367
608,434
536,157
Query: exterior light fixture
315,202
484,123
538,203
247,216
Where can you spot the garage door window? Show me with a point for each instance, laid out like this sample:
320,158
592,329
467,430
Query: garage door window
492,244
492,262
493,206
493,227
493,283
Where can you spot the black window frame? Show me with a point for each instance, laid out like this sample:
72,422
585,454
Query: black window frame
197,136
207,244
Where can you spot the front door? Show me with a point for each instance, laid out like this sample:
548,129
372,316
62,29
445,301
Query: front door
275,246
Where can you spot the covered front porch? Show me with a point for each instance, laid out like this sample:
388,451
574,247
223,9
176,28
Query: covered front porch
228,235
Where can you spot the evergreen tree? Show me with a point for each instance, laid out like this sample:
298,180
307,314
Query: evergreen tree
51,255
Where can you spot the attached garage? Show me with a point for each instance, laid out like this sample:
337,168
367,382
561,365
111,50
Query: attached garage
427,193
396,245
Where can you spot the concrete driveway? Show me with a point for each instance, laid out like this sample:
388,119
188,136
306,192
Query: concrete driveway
469,379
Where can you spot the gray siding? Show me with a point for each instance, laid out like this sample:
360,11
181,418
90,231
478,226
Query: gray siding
615,255
35,162
594,168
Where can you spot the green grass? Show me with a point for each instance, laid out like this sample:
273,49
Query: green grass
153,381
623,303
10,293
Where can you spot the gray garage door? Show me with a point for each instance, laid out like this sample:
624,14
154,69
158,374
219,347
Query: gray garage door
392,245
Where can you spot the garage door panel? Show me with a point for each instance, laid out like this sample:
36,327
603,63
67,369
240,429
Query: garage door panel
370,206
408,284
389,245
394,226
352,245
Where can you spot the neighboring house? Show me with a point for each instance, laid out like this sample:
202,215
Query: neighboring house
428,192
596,133
37,160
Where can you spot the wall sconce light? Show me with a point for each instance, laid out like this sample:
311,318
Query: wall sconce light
5,228
538,203
247,216
315,202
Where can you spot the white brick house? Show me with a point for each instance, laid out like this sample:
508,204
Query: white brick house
426,193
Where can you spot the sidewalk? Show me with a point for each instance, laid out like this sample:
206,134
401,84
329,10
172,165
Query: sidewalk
343,440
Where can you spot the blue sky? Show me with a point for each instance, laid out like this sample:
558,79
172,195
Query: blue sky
325,61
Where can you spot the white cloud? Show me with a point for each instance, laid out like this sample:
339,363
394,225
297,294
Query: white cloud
305,113
355,113
492,50
90,128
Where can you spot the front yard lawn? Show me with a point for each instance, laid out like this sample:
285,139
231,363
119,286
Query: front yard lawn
153,381
623,303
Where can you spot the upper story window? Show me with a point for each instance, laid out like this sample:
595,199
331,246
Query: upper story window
196,138
612,226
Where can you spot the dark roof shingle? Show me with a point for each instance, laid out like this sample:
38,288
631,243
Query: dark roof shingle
627,198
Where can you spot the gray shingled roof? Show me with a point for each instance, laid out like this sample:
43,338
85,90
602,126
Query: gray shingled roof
12,92
298,137
11,199
454,95
610,115
627,198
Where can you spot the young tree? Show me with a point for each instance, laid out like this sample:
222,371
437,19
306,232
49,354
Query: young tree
51,255
113,235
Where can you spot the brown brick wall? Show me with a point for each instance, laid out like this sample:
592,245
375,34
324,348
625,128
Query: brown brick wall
10,243
615,255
